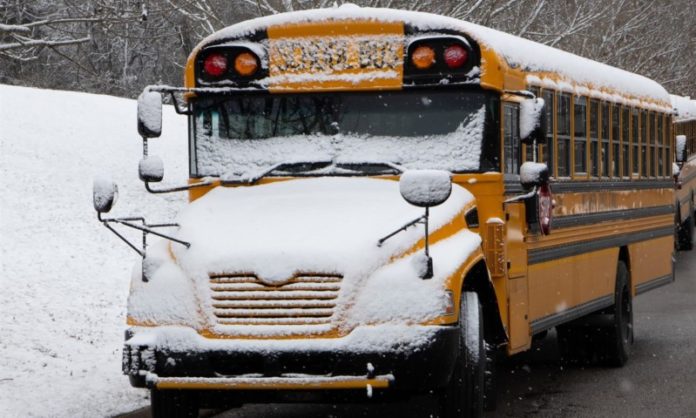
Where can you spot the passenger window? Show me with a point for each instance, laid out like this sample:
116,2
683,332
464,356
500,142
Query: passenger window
548,148
615,140
511,138
660,145
563,135
635,138
652,130
644,141
625,141
605,144
580,137
669,140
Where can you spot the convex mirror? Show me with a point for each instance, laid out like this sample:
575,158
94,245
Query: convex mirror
533,174
151,169
104,194
150,114
425,188
533,121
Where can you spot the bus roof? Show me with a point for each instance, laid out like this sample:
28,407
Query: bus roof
684,107
545,66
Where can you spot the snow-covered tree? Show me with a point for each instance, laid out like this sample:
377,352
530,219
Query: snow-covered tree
117,46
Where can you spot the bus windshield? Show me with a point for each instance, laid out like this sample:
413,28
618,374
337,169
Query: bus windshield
415,129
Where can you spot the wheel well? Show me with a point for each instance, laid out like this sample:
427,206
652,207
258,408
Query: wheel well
478,280
625,257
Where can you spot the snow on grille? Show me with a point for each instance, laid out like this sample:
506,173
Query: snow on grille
246,300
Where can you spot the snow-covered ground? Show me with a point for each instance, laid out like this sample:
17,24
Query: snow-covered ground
63,277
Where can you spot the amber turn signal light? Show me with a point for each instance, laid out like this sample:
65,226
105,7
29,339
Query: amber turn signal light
246,64
423,57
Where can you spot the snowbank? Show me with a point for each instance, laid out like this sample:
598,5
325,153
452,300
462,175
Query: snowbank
64,277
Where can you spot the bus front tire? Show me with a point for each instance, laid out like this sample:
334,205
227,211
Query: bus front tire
463,396
173,404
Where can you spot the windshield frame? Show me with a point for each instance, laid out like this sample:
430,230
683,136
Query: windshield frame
490,148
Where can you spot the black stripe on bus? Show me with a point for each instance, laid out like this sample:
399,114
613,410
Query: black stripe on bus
613,215
512,187
653,284
579,311
542,255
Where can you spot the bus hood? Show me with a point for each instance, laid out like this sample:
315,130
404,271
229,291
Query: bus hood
327,225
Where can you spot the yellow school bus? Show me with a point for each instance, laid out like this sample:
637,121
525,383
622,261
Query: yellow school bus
685,127
381,200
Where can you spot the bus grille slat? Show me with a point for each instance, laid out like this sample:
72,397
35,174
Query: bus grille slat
245,300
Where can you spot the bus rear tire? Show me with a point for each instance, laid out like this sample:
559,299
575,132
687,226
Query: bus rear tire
173,404
463,396
604,337
685,230
619,335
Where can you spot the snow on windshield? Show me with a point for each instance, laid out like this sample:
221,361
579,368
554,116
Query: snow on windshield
459,150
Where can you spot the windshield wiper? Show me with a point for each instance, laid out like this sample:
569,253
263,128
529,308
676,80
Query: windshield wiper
293,167
371,167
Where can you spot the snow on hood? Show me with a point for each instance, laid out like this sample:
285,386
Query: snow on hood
327,225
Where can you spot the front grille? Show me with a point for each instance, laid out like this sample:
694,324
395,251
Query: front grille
245,300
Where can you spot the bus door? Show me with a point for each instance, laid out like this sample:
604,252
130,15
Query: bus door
517,284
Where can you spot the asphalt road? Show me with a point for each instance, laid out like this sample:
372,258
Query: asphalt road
658,381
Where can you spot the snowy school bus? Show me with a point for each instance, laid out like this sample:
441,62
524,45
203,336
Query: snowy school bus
381,201
685,131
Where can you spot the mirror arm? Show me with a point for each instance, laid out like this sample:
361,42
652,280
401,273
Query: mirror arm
429,268
151,231
177,109
146,229
177,189
522,197
124,239
403,228
525,93
170,91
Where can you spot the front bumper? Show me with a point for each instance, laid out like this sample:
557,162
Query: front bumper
296,365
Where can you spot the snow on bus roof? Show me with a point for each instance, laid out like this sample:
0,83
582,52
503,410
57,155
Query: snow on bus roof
572,72
685,107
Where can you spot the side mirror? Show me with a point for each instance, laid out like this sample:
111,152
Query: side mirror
425,188
534,174
150,114
151,169
533,121
681,149
104,194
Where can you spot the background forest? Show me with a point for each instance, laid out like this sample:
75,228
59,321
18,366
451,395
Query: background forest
118,47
